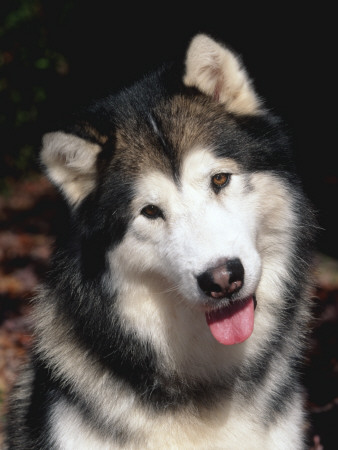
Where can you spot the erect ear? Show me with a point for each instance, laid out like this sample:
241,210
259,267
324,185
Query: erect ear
70,163
217,72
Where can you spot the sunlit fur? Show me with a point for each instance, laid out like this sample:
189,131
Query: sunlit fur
123,357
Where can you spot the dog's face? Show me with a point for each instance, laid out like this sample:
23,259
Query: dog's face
182,230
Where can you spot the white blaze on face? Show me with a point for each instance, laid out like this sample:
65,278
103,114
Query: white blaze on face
200,228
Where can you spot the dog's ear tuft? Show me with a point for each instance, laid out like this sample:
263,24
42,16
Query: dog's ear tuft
70,163
218,72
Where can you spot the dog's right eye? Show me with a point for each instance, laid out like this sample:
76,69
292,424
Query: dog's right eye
152,212
219,181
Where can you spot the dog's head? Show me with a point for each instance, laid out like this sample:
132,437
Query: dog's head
181,182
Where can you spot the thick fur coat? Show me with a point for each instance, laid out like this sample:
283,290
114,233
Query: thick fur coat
175,312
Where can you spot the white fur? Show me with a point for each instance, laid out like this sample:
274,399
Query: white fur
225,429
199,229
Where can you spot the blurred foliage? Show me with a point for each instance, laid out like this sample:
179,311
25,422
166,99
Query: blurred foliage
30,65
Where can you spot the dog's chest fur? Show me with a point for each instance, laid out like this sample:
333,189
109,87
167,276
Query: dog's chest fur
228,427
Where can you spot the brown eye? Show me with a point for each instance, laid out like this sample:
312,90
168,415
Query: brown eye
152,212
220,180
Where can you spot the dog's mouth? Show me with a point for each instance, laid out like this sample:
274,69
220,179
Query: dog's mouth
234,322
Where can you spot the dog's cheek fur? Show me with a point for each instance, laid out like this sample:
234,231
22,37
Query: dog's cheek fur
278,220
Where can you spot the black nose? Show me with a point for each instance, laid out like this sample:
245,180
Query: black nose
224,280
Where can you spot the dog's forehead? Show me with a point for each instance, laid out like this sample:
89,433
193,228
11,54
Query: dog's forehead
197,167
163,137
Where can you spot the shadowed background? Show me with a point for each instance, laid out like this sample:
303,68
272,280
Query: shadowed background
57,55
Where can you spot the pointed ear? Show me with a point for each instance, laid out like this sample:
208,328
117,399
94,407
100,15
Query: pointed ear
217,72
70,164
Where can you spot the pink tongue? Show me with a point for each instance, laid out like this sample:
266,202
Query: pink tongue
232,324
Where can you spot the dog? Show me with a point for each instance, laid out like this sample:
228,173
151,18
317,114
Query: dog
176,311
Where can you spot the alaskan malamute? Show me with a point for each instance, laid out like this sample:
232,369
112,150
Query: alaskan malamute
176,309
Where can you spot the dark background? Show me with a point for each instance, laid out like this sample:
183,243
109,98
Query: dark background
56,55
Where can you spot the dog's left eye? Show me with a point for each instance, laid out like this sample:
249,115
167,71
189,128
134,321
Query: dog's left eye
152,212
220,180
